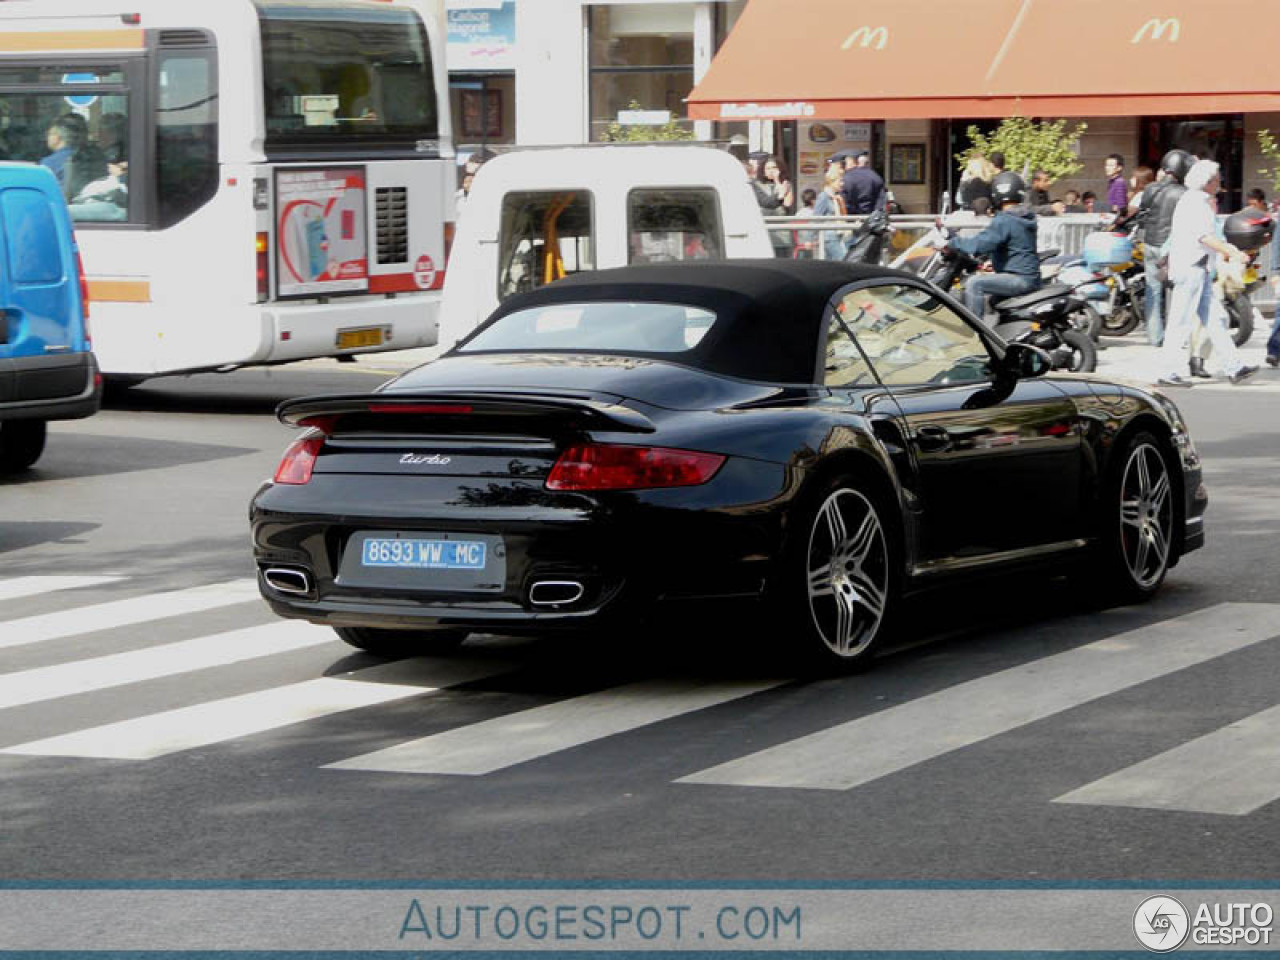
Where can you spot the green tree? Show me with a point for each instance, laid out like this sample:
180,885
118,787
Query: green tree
1271,153
1028,145
645,132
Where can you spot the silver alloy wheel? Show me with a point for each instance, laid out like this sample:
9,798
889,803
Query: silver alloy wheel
1146,515
848,573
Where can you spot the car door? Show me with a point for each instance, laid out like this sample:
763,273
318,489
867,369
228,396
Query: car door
997,467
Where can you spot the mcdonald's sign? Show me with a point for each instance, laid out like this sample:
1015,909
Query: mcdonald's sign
867,37
1157,28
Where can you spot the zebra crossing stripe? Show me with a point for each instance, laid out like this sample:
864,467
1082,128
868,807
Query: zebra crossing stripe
1232,771
204,724
880,744
117,669
491,745
123,613
19,587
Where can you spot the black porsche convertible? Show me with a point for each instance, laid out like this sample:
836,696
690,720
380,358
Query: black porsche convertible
824,439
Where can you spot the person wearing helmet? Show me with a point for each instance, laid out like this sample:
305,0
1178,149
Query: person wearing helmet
1010,242
1155,213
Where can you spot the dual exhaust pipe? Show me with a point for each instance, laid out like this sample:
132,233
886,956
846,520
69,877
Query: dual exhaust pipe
297,582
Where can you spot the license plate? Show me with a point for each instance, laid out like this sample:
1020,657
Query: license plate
360,337
405,554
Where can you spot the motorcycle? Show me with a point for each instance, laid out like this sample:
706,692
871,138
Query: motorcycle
1241,312
1055,318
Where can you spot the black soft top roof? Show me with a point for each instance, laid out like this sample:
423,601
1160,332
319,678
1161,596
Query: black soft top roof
768,312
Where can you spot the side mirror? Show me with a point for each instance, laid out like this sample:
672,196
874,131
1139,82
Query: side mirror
1023,362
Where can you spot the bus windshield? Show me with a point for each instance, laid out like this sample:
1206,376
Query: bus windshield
338,76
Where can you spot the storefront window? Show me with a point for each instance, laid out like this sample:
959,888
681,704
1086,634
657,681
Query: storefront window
641,58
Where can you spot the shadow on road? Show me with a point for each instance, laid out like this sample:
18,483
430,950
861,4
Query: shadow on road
84,455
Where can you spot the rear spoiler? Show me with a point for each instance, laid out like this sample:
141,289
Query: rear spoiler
580,412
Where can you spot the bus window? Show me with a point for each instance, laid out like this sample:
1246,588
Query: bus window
681,224
186,134
340,76
75,121
544,236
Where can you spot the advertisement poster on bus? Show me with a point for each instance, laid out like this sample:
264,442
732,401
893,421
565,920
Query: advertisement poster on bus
322,239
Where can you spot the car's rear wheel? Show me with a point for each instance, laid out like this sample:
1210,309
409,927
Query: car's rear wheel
395,644
843,587
21,443
1139,520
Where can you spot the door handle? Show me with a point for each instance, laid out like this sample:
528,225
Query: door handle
933,439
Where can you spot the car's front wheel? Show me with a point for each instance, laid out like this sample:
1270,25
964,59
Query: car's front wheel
843,583
395,644
1139,520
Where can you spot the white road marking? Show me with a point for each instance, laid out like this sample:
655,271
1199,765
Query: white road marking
529,734
133,666
875,746
19,587
204,724
123,613
1233,771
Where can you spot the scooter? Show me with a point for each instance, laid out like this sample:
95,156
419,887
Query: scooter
1050,318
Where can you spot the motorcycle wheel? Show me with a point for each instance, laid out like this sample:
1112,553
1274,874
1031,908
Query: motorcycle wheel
1126,315
1240,319
1087,320
1077,353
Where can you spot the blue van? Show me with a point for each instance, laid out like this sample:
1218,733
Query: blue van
47,368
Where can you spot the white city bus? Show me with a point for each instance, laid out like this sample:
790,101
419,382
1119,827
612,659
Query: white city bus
253,181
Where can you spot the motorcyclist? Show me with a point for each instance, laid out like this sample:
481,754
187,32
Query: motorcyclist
1010,242
1155,213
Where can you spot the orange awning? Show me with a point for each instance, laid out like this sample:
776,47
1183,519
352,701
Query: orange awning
879,59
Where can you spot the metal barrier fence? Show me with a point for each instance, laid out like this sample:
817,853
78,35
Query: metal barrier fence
1065,234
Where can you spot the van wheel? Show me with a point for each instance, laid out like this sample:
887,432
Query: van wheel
21,443
395,644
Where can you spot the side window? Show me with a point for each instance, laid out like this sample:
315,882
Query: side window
844,365
544,236
186,119
74,119
911,337
682,224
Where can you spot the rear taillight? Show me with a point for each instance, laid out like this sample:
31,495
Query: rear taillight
260,246
594,466
84,294
450,227
300,459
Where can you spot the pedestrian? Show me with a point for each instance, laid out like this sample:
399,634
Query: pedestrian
775,178
975,182
769,203
1089,200
1010,241
1155,212
864,190
1142,178
1071,202
1040,189
830,203
1257,199
806,240
1194,248
1117,190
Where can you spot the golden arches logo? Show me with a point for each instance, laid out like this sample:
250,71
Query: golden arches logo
1157,28
867,37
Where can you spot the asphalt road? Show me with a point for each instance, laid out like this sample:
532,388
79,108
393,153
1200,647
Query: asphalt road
159,724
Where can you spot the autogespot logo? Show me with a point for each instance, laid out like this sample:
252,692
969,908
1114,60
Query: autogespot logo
1161,924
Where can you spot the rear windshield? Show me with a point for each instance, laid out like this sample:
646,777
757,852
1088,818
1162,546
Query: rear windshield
338,75
613,327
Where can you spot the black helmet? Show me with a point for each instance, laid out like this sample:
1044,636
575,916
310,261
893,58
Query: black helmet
1177,163
1008,187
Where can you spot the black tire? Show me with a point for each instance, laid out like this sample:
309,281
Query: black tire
838,597
21,443
1077,353
1130,511
1127,313
1240,319
1087,320
397,644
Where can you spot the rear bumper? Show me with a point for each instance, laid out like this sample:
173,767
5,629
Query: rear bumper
298,331
55,387
628,551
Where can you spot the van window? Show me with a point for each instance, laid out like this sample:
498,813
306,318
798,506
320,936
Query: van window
31,236
543,236
186,134
666,224
75,120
